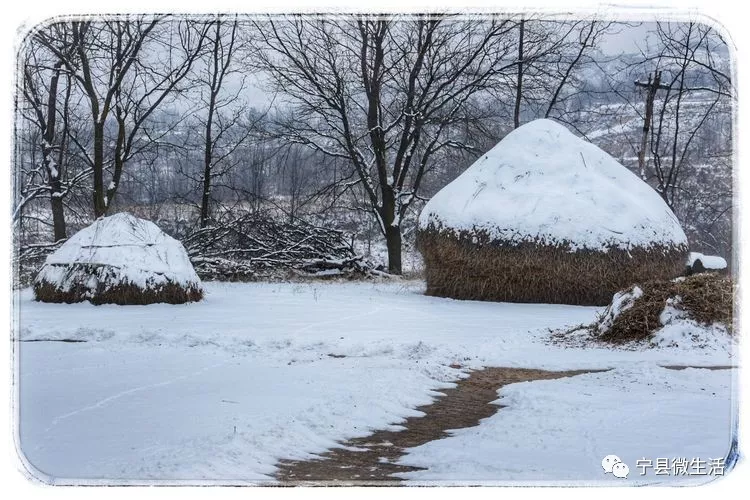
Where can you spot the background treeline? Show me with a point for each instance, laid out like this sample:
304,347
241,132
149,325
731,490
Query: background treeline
303,143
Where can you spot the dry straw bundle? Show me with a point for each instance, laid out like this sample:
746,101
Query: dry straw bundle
706,298
461,267
110,290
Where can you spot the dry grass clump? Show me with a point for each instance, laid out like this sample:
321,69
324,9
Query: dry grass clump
470,266
98,285
705,298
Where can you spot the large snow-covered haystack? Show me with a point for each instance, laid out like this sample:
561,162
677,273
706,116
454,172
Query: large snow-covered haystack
119,260
547,217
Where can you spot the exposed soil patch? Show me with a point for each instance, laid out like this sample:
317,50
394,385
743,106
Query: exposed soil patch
712,367
371,460
72,341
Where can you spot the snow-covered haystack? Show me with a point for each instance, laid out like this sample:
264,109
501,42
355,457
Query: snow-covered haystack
547,217
668,312
119,260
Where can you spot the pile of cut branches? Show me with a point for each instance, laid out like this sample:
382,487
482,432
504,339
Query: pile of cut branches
28,258
259,245
248,246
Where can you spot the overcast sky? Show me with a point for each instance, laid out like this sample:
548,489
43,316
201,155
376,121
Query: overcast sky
624,39
627,39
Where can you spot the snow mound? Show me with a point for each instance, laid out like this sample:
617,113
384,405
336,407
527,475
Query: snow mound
115,251
682,333
713,262
543,184
678,330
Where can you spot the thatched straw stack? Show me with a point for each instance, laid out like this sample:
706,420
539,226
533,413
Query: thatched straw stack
637,313
547,217
119,260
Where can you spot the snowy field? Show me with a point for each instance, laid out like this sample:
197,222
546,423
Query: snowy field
224,388
559,430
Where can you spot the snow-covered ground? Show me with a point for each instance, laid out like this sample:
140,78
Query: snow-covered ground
560,430
223,388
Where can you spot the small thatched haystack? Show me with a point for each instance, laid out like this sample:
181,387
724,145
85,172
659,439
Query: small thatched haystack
638,313
119,260
547,217
688,312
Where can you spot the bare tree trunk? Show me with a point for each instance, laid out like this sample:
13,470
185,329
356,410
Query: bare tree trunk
208,138
100,205
58,210
393,242
221,55
519,77
206,187
46,122
391,231
56,201
672,179
207,158
119,159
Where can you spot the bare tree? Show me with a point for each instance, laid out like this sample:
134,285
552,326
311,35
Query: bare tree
683,142
381,94
576,54
123,84
548,56
222,44
367,117
42,91
684,48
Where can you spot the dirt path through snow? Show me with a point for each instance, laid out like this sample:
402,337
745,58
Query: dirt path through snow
371,460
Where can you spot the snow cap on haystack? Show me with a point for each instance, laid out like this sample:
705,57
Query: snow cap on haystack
119,260
545,216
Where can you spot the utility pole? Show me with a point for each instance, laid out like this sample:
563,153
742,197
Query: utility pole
653,84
